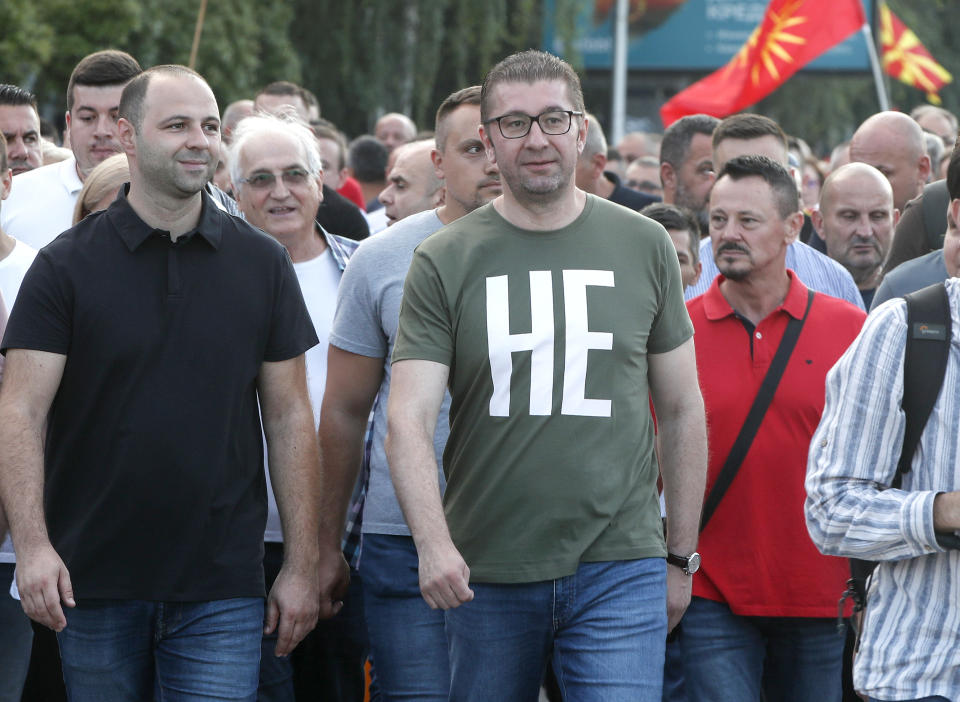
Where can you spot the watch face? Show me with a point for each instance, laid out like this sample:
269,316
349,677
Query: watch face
693,563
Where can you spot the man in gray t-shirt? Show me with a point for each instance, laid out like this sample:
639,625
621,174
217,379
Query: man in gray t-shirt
406,637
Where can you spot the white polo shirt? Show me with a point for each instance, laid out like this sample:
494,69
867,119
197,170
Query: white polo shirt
41,203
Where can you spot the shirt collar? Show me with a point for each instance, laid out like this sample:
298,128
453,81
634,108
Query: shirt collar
134,231
341,249
715,305
68,176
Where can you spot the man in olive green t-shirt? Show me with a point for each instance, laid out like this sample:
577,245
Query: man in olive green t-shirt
553,316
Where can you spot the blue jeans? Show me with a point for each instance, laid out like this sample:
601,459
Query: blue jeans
605,625
135,650
674,689
407,638
938,698
729,657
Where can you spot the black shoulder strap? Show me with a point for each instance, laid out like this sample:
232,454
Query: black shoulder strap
924,365
755,416
934,203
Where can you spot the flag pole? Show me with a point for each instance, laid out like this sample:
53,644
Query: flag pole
196,34
875,65
618,107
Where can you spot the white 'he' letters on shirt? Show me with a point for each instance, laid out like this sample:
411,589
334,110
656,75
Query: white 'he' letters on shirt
540,342
579,341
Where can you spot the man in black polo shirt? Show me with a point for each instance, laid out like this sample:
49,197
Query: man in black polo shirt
142,340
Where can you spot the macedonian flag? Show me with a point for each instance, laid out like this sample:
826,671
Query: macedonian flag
791,34
907,60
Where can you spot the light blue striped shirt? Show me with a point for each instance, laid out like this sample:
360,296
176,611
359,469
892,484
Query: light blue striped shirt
911,633
816,271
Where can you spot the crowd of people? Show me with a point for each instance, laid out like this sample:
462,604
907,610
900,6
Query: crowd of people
425,415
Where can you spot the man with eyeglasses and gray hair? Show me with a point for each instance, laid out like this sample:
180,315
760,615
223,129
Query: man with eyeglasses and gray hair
552,315
275,166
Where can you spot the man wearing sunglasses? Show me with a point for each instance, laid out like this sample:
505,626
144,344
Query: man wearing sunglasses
552,315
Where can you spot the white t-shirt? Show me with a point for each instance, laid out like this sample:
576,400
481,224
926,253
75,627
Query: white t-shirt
319,278
12,270
41,202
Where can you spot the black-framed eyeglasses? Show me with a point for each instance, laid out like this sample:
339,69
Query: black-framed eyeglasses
516,125
292,177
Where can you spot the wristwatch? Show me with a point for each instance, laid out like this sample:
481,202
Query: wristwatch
688,564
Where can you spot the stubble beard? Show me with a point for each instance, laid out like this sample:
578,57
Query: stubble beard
731,271
538,190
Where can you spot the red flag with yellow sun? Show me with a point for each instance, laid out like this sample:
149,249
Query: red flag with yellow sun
907,60
792,33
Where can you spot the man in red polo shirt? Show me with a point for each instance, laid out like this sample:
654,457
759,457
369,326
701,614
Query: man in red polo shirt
763,617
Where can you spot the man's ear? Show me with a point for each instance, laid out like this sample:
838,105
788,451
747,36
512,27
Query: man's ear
487,144
437,159
794,225
923,168
816,218
126,135
6,180
953,213
599,164
698,270
668,177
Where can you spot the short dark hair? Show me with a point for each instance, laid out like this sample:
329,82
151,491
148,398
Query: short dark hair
676,139
323,131
464,96
747,126
677,218
131,100
367,157
774,174
285,87
109,67
953,172
530,66
15,96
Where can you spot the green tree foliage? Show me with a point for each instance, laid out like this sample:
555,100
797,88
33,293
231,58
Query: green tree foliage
362,58
373,56
26,42
244,44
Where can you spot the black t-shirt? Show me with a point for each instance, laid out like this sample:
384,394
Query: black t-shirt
340,216
154,485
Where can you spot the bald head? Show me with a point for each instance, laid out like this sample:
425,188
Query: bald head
893,143
633,145
394,129
235,112
856,220
852,176
412,182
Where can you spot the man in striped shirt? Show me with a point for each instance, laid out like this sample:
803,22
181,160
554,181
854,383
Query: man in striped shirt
911,629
